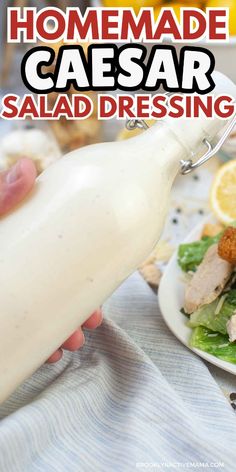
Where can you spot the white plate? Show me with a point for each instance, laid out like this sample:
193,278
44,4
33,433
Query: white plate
171,297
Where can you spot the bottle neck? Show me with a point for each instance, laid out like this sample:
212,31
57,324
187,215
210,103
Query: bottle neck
159,150
173,140
191,133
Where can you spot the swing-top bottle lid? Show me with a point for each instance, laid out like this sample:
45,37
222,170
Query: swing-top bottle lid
192,132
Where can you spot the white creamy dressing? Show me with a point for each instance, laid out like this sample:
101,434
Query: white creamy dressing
92,218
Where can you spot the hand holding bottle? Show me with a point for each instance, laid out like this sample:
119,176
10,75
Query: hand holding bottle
15,184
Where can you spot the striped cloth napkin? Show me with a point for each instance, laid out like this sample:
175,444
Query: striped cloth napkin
133,398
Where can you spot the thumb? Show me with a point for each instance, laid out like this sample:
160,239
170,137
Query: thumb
15,184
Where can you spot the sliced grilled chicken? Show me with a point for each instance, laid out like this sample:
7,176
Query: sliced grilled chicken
208,281
231,328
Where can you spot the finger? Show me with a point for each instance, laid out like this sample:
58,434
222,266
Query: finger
55,357
75,341
15,184
94,320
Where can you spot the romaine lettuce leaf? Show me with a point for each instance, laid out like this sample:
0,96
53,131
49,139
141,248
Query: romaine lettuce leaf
214,343
206,315
191,255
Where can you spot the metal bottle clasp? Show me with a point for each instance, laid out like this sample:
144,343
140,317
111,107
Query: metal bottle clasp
189,166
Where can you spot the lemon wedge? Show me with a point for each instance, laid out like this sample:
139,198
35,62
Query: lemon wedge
232,12
126,134
223,193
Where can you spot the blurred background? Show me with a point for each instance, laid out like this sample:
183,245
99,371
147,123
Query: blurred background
71,135
46,142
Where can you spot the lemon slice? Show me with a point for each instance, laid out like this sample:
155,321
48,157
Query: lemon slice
176,6
136,4
232,12
126,134
223,193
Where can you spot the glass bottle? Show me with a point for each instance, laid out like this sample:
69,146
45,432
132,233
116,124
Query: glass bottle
91,220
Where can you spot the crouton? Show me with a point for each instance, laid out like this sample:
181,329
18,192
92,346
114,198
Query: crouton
211,229
227,245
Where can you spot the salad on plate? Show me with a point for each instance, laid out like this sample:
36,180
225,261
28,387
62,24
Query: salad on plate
209,265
